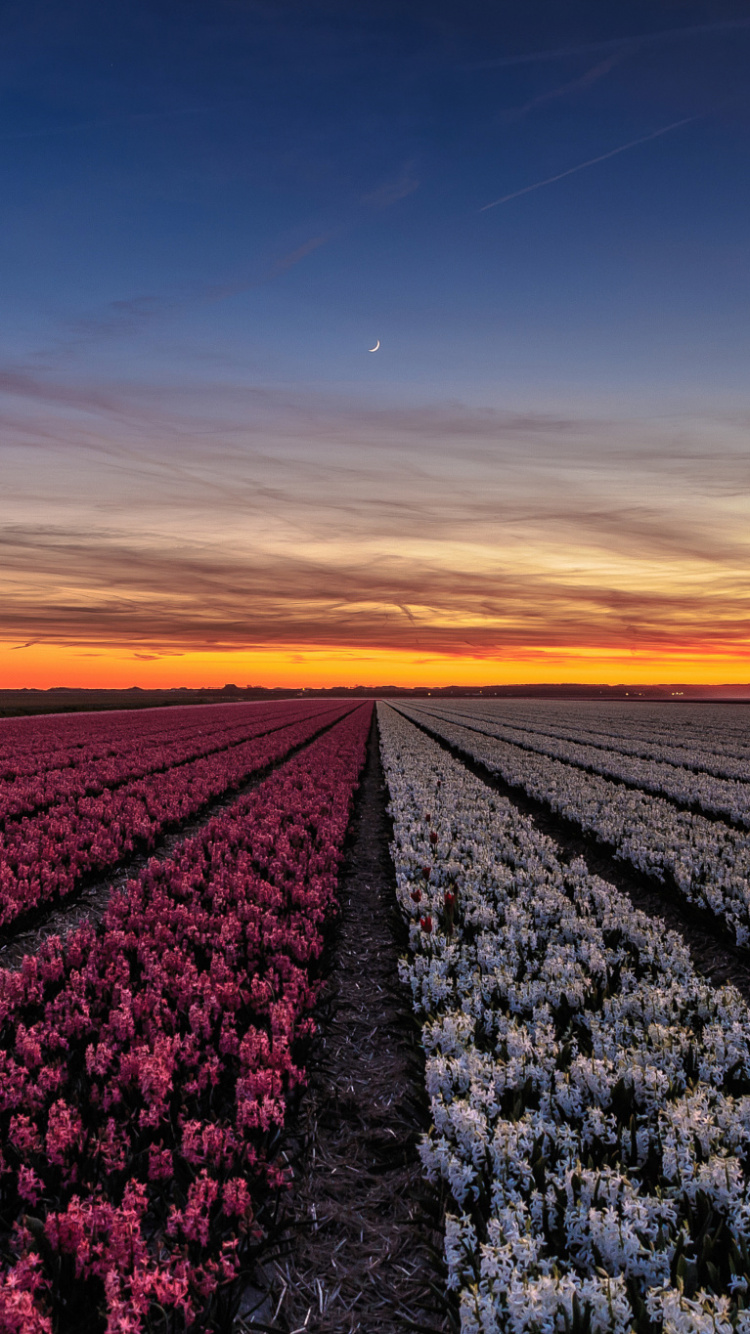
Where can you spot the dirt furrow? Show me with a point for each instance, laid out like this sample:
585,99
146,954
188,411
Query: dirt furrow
361,1234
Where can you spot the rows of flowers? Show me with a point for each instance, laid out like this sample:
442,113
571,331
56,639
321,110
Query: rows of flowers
590,1095
49,741
44,857
34,745
145,1067
50,769
707,861
686,786
713,739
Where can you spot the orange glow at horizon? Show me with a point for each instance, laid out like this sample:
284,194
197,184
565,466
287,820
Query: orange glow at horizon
336,542
41,666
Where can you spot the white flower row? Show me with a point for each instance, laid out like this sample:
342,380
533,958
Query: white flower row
588,1090
689,757
712,737
715,796
708,860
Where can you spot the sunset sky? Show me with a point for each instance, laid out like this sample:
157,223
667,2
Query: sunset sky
211,210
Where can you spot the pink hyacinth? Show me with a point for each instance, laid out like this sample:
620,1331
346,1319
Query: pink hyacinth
158,1049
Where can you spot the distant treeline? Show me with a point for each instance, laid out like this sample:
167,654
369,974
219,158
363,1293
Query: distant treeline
64,699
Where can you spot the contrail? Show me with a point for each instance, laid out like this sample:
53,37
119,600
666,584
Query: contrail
549,180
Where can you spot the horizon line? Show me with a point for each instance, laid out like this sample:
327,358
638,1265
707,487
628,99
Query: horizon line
507,685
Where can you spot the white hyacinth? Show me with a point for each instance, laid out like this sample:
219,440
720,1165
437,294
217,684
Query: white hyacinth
587,1088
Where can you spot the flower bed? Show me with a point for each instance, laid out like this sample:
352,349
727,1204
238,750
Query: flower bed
44,857
146,1066
49,764
681,782
589,1093
708,861
707,738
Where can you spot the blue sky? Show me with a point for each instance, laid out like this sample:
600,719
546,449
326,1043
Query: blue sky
163,165
211,212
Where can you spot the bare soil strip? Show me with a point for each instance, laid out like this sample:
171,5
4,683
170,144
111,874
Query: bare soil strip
89,902
361,1232
713,950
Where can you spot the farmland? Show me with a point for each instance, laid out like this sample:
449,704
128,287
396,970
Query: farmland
472,980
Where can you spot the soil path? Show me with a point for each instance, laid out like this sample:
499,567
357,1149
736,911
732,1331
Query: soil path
713,951
365,1228
88,903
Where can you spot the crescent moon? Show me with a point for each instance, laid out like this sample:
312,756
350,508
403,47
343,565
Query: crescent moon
375,348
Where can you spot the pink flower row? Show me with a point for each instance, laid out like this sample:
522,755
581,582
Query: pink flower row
53,773
33,741
145,1067
33,745
43,857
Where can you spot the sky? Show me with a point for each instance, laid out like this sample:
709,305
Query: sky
210,212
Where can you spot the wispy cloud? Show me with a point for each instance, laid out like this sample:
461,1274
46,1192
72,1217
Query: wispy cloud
123,317
130,315
29,385
393,190
110,590
590,162
300,252
384,196
274,269
586,80
664,36
174,517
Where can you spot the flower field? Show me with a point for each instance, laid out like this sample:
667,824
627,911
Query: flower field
92,802
590,1094
707,860
145,1065
677,773
586,1089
